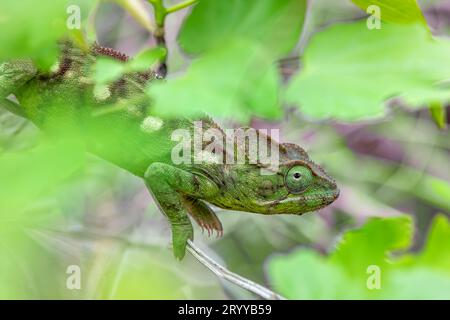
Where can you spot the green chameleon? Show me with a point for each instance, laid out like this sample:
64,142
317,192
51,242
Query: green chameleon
115,123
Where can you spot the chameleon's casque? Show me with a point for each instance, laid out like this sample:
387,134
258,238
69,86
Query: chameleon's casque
115,123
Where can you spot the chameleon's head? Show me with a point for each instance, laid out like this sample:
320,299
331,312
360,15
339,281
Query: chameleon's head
303,186
297,186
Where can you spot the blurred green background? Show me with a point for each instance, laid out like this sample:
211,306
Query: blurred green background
369,105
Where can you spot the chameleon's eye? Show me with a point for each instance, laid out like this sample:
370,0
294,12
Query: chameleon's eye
298,179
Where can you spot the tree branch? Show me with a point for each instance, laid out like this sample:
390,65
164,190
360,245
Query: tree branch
232,277
219,270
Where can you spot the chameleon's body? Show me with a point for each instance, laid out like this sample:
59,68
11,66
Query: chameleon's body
114,124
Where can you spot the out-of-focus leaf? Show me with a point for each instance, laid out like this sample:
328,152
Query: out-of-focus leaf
371,244
350,71
236,80
145,59
307,275
107,70
436,253
27,175
345,273
276,24
397,11
148,274
417,284
31,31
27,269
439,114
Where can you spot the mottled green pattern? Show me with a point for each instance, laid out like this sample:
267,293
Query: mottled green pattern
113,124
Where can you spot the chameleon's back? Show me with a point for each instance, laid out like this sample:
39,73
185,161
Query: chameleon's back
112,119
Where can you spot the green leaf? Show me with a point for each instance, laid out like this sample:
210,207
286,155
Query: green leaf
436,253
314,279
28,175
145,59
397,11
276,24
31,30
236,80
344,274
350,71
439,114
138,274
371,244
107,70
417,284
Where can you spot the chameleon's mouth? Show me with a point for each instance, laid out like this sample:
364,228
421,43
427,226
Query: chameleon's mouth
326,197
334,194
303,203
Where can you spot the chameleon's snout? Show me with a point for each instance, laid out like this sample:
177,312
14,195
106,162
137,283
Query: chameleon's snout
330,197
336,193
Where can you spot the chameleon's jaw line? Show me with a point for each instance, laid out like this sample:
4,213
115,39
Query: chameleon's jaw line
322,199
336,193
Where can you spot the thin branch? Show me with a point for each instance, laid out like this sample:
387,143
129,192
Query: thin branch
219,270
232,277
159,13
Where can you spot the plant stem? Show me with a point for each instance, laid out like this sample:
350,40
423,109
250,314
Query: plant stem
160,17
181,5
160,13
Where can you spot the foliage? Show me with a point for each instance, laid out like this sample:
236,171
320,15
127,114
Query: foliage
108,70
359,69
274,24
346,273
242,61
397,11
31,31
236,80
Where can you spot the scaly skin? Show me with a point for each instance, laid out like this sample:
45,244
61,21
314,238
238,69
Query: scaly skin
113,123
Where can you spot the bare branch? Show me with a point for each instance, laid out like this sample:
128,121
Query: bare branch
219,270
224,273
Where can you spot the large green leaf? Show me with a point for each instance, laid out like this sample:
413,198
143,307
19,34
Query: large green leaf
236,80
31,29
25,176
436,253
307,275
371,244
29,184
350,71
397,11
344,274
275,23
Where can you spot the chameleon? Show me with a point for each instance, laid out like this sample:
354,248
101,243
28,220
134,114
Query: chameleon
115,123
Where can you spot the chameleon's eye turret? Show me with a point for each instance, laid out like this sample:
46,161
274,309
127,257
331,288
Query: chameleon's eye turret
298,179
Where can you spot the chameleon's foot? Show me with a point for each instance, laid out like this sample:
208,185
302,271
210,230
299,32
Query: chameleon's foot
180,235
204,216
